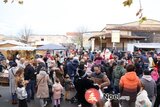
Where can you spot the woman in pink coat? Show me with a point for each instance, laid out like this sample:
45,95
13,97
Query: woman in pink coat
57,91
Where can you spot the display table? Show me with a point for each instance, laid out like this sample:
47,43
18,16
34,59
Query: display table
4,80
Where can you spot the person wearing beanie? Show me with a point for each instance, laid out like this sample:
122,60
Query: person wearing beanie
150,85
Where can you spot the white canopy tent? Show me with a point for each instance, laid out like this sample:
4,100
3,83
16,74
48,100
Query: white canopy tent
156,46
147,45
12,42
29,48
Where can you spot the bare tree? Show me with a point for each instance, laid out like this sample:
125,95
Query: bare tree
79,36
24,34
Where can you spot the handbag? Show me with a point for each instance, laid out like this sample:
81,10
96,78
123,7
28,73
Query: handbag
36,87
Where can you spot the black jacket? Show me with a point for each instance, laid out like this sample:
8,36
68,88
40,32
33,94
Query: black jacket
29,73
81,86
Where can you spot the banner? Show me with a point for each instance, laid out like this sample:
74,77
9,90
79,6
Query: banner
115,36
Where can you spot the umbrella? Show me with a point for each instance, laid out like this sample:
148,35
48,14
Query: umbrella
51,47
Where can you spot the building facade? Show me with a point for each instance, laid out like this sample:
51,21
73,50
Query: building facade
38,40
133,32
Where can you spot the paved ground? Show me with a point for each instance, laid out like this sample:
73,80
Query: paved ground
5,100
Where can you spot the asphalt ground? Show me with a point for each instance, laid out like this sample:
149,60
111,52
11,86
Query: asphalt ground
5,100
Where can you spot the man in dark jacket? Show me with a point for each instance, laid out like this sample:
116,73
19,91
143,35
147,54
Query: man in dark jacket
29,75
83,84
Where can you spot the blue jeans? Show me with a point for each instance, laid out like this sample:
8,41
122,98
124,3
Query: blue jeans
30,88
14,96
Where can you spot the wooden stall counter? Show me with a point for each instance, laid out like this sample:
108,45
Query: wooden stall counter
4,79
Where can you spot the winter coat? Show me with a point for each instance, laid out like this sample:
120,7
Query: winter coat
149,86
81,85
42,82
129,85
57,90
67,84
21,93
100,79
142,99
29,73
12,79
139,68
117,73
71,68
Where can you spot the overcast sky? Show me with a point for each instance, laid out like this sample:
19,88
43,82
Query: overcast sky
61,16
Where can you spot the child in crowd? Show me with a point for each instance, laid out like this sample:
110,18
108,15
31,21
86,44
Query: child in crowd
21,94
67,85
57,91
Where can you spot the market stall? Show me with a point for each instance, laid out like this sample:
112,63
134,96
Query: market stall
53,48
4,80
24,51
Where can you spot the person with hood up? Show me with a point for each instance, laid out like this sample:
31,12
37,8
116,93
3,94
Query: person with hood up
129,86
150,85
71,68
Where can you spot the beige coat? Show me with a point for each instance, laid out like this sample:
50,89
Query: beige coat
42,81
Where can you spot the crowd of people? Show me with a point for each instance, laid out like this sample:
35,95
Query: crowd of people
49,78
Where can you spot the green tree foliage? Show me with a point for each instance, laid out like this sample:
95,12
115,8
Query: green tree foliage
127,2
139,12
19,1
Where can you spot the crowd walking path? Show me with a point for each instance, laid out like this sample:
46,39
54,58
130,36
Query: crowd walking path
6,102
